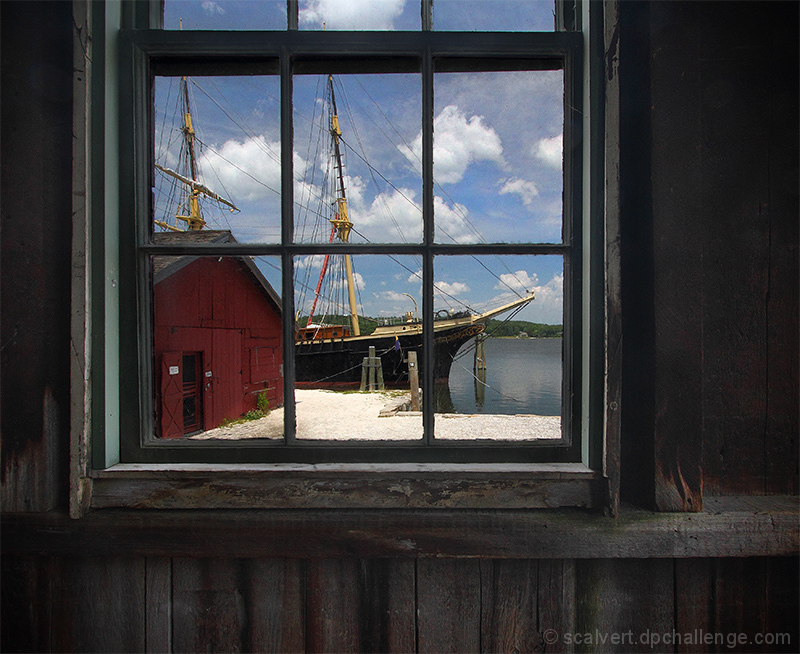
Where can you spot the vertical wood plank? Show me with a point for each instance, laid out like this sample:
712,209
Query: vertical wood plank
630,601
751,211
613,256
98,605
783,603
208,611
678,259
276,605
509,606
527,605
739,590
26,583
332,614
783,315
448,605
35,283
636,246
158,604
230,605
737,605
361,605
557,601
387,608
694,600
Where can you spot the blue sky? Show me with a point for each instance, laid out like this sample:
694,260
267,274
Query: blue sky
497,155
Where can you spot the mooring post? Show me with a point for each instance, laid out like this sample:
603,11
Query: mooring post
371,372
413,378
480,354
371,365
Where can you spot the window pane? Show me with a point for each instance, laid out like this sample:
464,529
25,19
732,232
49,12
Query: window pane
218,358
228,141
359,15
370,164
491,368
494,15
332,344
225,14
497,156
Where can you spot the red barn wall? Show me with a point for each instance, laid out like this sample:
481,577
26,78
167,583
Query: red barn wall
217,307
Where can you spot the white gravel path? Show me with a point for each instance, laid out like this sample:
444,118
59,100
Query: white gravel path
356,416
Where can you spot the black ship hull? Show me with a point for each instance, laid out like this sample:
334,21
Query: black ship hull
336,363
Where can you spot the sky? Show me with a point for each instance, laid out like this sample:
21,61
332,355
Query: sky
497,156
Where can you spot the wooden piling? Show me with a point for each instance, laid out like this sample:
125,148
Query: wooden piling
413,377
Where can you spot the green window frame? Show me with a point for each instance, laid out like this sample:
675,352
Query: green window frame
122,398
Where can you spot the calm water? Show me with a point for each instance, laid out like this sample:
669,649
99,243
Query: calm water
523,376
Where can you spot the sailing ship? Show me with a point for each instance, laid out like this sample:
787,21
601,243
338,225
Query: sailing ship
329,352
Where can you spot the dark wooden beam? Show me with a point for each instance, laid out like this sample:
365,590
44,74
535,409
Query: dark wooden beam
765,526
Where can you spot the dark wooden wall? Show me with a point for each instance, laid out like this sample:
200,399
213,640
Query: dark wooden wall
133,604
709,176
709,170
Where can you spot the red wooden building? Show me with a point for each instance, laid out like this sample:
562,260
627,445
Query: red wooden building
217,324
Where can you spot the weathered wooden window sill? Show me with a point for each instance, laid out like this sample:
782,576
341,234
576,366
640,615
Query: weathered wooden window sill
728,527
347,486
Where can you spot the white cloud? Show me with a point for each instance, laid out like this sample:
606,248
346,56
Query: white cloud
458,142
212,8
450,221
312,262
551,150
519,281
249,170
527,191
456,288
353,14
548,304
392,296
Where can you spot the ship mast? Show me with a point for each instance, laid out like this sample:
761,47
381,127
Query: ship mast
194,221
341,224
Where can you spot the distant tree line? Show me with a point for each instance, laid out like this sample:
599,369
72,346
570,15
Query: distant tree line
523,327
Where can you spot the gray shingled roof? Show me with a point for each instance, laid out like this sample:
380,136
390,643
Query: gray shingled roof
164,266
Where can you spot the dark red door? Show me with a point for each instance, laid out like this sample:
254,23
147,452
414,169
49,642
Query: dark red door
171,395
191,375
181,394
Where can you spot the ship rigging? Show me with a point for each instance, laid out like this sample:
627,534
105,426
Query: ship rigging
329,342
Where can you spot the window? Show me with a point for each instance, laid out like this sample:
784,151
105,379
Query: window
218,303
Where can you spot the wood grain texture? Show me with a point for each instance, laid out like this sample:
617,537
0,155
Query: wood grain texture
35,281
524,603
158,604
557,601
783,317
448,605
730,526
613,258
694,600
26,602
509,606
371,489
361,605
750,336
677,248
227,605
737,605
625,601
98,604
